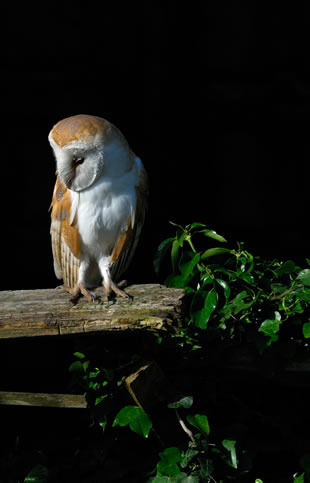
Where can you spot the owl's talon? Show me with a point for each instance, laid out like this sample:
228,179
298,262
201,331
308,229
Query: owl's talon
88,294
74,300
78,291
117,290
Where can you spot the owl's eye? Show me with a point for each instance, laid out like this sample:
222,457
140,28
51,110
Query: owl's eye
76,161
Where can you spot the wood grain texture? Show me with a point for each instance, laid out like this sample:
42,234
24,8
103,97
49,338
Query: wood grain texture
42,399
47,312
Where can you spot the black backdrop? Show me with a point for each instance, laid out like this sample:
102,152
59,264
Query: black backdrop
214,97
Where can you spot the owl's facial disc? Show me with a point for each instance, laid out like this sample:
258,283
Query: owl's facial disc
81,169
71,174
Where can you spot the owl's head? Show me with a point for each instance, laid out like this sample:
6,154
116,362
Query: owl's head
86,148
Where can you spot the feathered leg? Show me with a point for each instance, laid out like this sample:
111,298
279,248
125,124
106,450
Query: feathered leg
110,286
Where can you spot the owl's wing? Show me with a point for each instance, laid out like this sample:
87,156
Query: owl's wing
65,236
128,240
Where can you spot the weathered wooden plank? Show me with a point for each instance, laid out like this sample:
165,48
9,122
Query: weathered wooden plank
47,312
10,398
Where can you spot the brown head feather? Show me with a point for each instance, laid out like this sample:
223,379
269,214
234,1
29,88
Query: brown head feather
85,127
78,127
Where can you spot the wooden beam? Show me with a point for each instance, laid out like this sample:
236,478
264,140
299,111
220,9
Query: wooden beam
29,313
10,398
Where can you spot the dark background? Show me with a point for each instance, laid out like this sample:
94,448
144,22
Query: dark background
214,97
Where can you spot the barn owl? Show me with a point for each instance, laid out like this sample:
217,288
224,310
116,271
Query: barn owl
98,205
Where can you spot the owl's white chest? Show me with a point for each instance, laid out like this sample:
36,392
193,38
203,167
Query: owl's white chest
103,212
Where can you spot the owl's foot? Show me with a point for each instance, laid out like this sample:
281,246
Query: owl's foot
78,291
112,287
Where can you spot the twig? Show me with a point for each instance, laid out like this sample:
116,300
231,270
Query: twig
185,428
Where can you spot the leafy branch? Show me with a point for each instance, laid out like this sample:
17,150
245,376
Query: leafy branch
229,288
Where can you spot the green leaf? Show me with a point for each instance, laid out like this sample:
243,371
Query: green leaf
206,281
179,478
286,268
258,480
172,455
93,374
181,236
225,287
214,251
38,474
296,309
278,288
99,399
185,402
161,252
210,304
76,366
245,266
270,328
202,308
306,330
237,304
169,459
214,235
303,293
124,416
200,421
103,422
299,479
242,261
79,355
136,418
189,455
160,479
174,255
206,469
248,278
187,267
196,225
230,445
304,277
177,281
